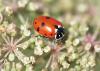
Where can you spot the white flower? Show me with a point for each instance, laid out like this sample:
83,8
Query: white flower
73,56
7,65
26,60
24,30
47,49
91,61
38,50
2,70
97,48
83,61
70,49
11,57
1,17
88,46
22,3
82,8
18,66
8,10
13,67
54,65
32,59
75,20
65,64
28,68
76,42
23,45
61,57
2,28
11,28
32,6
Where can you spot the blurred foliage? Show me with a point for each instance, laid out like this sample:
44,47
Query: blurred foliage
22,50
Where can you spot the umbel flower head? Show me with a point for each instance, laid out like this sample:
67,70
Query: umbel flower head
91,43
10,49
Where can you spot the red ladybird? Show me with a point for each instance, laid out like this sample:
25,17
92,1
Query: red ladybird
48,27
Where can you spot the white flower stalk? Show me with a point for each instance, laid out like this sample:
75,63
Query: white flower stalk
54,65
13,67
6,66
23,45
1,18
18,66
87,47
24,59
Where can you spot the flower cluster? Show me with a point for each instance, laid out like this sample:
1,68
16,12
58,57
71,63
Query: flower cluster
23,49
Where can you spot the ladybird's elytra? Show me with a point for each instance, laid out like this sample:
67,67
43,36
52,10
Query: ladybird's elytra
48,27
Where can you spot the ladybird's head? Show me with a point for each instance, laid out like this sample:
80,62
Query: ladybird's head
59,32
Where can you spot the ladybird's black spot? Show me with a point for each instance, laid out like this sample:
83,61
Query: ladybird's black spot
56,26
38,29
51,34
45,34
35,23
47,17
42,24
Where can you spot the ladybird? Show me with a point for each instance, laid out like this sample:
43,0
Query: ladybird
48,27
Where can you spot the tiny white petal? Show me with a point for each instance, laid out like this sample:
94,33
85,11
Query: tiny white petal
47,49
38,50
97,48
11,57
